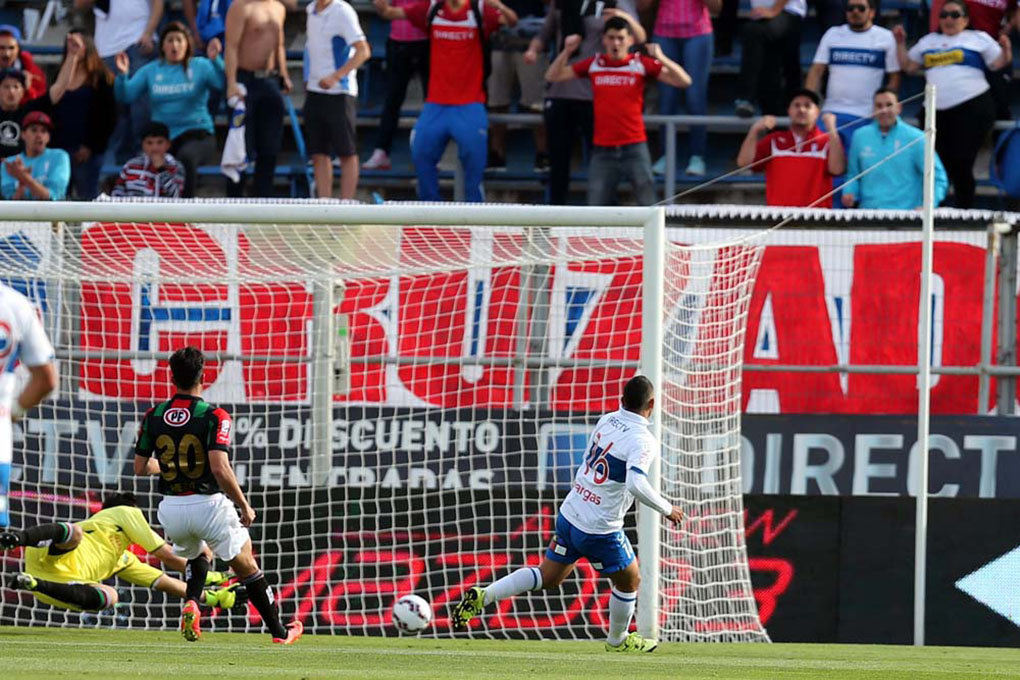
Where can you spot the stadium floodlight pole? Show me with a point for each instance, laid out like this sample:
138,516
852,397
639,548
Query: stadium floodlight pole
924,367
649,523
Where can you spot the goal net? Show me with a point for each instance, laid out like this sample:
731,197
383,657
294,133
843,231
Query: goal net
410,396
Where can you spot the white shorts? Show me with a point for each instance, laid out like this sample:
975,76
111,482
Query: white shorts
191,522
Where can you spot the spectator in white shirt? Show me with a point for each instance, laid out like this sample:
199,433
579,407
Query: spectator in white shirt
954,60
336,47
857,55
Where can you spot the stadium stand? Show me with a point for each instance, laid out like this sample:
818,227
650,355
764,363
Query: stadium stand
520,181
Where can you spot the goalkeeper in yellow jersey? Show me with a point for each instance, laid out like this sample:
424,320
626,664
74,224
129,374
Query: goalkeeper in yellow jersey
66,563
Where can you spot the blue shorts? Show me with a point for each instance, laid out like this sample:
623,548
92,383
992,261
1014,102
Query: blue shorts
608,553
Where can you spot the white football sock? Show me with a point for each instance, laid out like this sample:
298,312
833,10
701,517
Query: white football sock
514,583
621,611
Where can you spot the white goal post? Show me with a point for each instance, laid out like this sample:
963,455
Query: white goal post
412,387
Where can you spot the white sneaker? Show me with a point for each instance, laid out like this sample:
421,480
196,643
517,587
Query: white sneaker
695,167
380,160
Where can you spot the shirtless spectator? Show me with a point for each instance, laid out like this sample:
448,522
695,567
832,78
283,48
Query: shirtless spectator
255,58
207,18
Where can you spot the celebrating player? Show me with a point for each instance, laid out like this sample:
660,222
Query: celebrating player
66,563
590,520
192,440
23,339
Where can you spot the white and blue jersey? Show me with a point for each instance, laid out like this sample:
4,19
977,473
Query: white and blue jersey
955,64
22,340
857,62
590,521
332,33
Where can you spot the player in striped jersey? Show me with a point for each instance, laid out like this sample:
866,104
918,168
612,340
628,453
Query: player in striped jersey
620,452
186,442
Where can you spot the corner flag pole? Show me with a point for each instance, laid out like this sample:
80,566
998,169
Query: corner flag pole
924,367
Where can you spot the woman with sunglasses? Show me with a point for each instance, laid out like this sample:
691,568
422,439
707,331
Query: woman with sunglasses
994,17
954,60
178,86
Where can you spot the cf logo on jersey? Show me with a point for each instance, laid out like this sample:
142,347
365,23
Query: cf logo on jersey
175,417
6,340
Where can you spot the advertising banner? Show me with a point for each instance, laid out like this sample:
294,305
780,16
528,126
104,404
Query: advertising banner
970,456
821,298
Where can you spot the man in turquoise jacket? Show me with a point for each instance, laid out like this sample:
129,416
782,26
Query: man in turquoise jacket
897,183
38,173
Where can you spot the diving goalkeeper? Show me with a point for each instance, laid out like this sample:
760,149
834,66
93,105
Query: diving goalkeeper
66,563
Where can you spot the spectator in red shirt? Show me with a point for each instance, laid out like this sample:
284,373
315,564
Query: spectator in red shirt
12,56
455,104
996,18
799,163
618,83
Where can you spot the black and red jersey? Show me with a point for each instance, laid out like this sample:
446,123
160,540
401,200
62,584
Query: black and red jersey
180,433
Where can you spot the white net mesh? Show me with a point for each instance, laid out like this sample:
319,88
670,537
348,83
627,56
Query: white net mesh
410,404
706,586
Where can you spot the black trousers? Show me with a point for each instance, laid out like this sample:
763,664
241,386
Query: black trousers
725,27
263,131
566,120
1001,83
770,64
403,60
963,130
194,148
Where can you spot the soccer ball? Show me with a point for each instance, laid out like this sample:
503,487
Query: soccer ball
411,614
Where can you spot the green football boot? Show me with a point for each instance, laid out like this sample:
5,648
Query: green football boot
634,644
470,606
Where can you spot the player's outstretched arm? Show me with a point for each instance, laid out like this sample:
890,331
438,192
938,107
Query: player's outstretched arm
638,486
165,554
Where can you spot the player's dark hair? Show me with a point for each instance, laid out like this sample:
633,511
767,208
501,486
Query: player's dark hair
117,499
886,90
616,24
186,366
637,394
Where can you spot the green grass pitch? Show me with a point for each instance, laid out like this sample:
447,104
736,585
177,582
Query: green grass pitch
110,654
